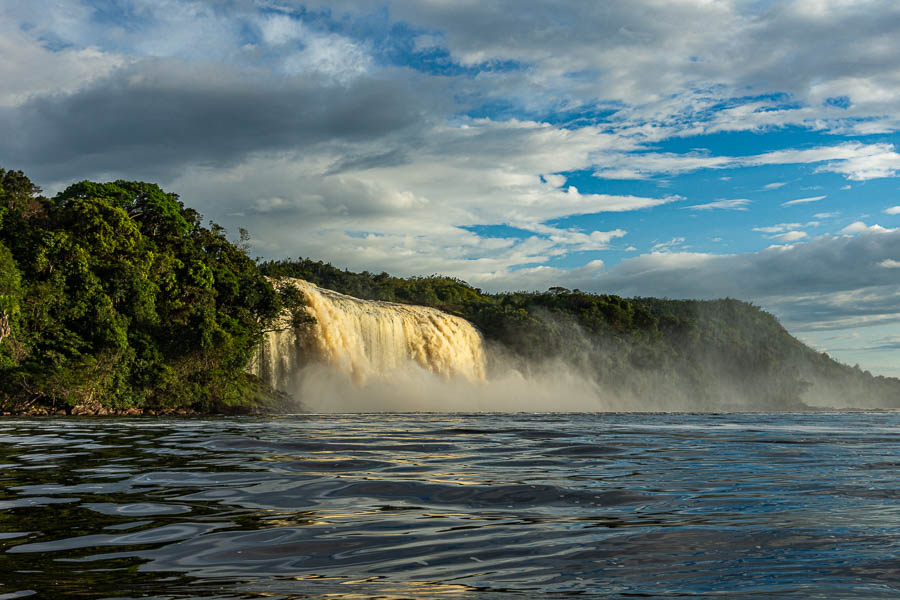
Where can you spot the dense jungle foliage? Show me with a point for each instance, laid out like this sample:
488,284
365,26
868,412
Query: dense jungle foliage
115,295
714,355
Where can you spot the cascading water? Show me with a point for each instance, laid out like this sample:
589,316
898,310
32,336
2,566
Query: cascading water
369,339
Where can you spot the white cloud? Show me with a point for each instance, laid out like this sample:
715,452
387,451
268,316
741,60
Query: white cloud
853,160
894,210
576,240
643,165
789,236
666,247
331,55
408,215
662,74
778,228
280,29
774,185
736,204
187,29
555,180
687,57
877,165
303,50
28,68
803,200
890,263
860,227
855,227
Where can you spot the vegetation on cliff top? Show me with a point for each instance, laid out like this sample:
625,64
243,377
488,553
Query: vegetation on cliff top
712,355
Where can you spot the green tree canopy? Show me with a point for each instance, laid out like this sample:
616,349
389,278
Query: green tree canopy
120,296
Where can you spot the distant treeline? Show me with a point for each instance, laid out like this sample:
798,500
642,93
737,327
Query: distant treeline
713,355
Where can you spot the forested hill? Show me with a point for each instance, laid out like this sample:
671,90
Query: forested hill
114,297
662,354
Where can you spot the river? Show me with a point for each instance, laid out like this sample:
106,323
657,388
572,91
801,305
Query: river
453,505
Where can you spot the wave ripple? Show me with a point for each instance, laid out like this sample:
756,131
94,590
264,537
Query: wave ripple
433,506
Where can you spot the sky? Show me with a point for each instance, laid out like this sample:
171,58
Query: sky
673,148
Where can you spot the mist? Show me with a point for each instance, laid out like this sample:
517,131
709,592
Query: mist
324,388
374,356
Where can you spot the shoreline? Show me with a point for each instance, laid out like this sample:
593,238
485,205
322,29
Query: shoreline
100,411
81,411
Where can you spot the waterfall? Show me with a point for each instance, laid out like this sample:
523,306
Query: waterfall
369,339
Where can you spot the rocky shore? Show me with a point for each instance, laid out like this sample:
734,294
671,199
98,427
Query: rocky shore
94,411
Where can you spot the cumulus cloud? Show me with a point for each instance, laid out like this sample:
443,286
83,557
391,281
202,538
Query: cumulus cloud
578,240
334,56
789,236
29,68
882,163
859,227
669,70
894,210
416,214
686,46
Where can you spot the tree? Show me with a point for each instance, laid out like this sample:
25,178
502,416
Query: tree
126,300
10,292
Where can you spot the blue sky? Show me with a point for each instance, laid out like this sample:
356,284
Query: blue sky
686,148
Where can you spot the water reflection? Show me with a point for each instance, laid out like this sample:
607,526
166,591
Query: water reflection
433,506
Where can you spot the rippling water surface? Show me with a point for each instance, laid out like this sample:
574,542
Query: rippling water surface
442,506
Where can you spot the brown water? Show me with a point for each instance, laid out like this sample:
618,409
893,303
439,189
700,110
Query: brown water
367,338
